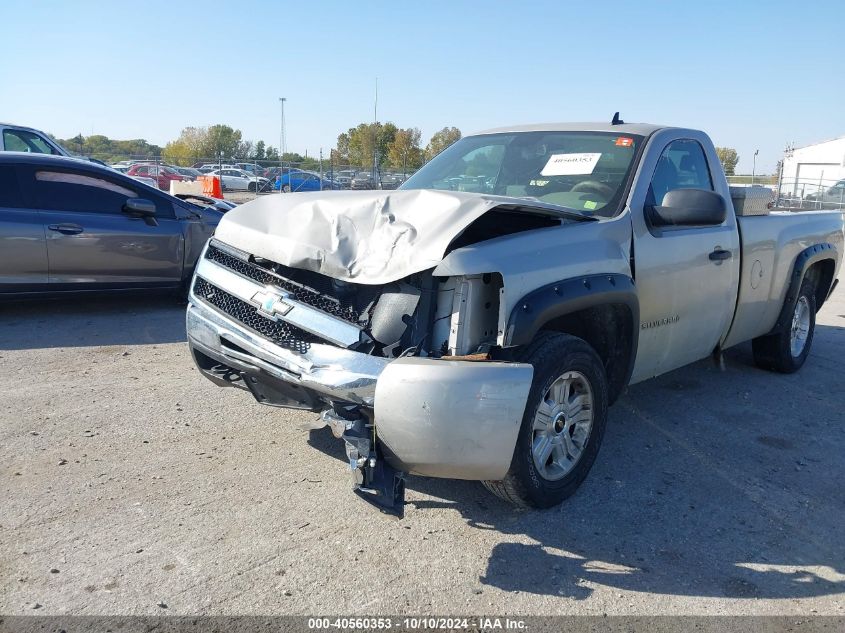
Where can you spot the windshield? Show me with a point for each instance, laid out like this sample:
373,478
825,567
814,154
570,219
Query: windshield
585,171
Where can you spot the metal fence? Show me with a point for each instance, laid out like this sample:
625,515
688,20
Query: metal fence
798,194
309,175
806,193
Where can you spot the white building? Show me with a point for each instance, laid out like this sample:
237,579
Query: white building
808,169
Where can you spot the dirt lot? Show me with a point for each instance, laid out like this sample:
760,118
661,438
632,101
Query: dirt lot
131,485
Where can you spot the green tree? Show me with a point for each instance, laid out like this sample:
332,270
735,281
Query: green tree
245,149
729,158
258,153
441,140
342,151
109,150
190,147
367,141
405,149
271,154
222,140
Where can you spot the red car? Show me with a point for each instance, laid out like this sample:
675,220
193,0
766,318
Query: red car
162,175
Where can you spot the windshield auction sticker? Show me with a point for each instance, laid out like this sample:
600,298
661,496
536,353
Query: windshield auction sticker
571,164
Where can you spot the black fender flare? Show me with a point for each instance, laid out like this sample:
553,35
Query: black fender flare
543,305
806,258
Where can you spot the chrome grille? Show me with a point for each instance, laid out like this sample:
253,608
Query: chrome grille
319,297
281,333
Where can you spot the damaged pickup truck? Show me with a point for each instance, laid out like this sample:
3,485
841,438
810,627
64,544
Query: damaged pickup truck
478,322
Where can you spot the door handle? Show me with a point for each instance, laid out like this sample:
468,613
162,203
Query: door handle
719,255
66,229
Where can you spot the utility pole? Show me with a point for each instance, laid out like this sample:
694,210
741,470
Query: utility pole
282,144
754,166
321,169
375,130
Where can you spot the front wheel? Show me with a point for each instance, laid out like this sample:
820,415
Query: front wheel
286,188
563,424
787,350
251,187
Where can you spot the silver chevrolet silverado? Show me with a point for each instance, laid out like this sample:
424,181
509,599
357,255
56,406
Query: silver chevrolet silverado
478,322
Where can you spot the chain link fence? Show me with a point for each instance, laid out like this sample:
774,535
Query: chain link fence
798,194
246,178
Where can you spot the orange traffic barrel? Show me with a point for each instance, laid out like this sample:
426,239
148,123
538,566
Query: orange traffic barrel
211,186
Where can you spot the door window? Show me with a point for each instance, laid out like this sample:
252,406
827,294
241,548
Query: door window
67,191
23,141
89,193
682,165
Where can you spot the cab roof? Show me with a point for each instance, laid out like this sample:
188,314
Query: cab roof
640,129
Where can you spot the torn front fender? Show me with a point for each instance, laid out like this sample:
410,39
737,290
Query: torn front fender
452,419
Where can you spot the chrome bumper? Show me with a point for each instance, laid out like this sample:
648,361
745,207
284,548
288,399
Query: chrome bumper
437,418
336,373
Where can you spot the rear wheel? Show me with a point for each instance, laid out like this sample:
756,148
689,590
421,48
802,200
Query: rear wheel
563,424
787,350
286,188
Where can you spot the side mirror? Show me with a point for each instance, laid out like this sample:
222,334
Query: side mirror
141,208
689,207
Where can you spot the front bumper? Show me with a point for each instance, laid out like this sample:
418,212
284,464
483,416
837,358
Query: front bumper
438,418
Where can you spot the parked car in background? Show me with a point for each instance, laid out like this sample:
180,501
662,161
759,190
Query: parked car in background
238,180
150,182
67,224
17,138
362,181
390,181
254,168
299,180
343,181
188,172
205,201
830,198
162,175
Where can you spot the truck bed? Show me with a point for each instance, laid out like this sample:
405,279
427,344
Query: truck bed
770,245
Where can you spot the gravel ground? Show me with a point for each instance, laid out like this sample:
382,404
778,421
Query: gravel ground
131,485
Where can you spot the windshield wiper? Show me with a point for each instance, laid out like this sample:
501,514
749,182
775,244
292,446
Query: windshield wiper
575,214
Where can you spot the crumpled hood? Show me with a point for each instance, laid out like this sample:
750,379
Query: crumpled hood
368,237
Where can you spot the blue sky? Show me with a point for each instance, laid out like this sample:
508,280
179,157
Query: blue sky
753,75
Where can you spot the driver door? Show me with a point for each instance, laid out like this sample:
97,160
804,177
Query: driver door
687,276
91,242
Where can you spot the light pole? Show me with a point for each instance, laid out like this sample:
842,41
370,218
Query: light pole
754,166
281,143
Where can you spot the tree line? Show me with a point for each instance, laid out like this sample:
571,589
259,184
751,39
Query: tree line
382,144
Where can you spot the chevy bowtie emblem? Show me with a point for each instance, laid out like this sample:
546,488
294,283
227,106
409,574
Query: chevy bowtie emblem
271,303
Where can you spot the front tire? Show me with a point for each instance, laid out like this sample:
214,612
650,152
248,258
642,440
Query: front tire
286,188
787,350
563,425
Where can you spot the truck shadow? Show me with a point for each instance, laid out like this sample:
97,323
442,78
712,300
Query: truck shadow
88,321
710,483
